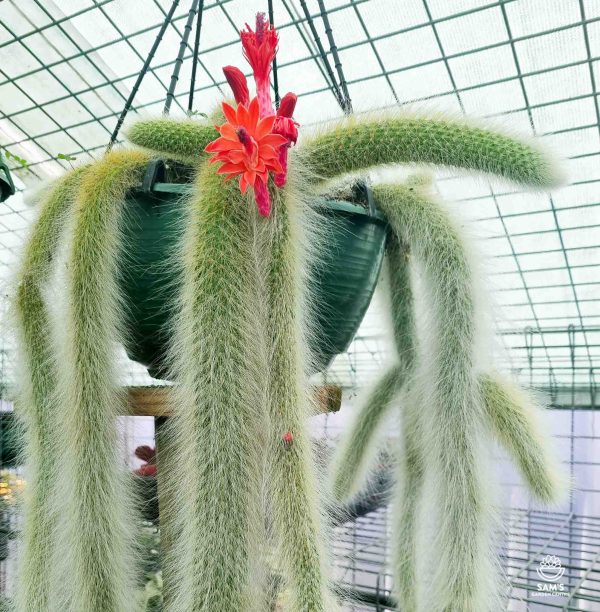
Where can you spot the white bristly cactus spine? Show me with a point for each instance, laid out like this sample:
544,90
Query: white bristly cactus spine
95,558
220,365
36,403
292,481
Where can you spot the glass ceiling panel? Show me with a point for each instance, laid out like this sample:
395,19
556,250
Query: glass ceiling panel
530,65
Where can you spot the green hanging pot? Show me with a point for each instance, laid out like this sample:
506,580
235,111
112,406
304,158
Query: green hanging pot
342,281
7,187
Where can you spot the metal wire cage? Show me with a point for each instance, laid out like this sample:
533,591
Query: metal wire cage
67,69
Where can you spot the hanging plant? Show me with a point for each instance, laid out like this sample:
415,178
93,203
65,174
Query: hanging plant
236,334
451,409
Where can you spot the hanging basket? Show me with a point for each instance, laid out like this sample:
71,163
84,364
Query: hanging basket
341,281
7,187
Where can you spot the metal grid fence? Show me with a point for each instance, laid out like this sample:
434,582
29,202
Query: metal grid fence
363,553
67,69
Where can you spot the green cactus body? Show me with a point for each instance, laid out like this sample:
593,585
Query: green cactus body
220,366
410,468
452,413
357,145
96,555
181,140
292,481
515,419
405,504
37,397
357,445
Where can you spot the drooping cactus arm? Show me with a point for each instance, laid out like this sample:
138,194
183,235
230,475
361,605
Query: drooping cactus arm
514,418
96,556
351,460
220,365
292,481
182,140
37,396
352,457
358,145
407,496
451,413
410,466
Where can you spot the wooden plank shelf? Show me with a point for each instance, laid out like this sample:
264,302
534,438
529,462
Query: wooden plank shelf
156,401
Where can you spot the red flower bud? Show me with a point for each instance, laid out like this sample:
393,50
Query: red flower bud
237,81
287,105
288,437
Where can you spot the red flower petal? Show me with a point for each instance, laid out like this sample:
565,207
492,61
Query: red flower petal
264,127
254,115
228,132
229,168
243,117
230,113
273,140
237,81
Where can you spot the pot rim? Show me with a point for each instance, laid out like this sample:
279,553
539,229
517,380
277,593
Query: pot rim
323,205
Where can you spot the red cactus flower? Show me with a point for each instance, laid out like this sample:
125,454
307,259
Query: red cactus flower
287,104
248,148
260,47
237,81
254,141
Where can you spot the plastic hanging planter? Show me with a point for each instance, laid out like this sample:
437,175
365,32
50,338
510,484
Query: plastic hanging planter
341,282
7,187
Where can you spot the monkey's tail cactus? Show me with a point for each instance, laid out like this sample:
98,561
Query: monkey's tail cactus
359,144
220,366
183,140
36,404
96,552
450,410
292,480
515,419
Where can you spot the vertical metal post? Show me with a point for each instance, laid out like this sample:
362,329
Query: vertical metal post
179,61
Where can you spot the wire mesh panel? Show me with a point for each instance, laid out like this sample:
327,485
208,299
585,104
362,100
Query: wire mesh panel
569,580
66,70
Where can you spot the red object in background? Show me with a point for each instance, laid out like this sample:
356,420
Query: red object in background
288,438
148,454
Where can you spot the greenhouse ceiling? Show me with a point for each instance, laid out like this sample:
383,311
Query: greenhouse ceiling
67,68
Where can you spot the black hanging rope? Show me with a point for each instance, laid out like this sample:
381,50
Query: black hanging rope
275,79
196,55
142,74
323,54
336,58
182,46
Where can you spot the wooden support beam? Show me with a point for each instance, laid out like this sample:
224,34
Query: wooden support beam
156,401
